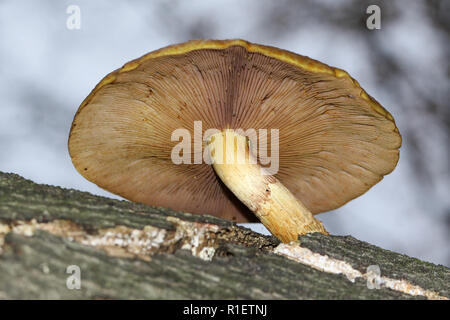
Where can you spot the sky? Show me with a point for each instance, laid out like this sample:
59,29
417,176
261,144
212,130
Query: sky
48,69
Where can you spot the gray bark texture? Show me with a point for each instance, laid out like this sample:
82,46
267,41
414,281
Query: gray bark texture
127,250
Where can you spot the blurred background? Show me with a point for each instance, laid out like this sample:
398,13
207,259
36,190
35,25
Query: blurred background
47,69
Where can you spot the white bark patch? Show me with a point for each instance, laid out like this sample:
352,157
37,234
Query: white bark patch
4,230
317,261
197,237
25,228
122,241
324,263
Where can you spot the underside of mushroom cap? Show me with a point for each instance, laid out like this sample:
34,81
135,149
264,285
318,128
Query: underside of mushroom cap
335,141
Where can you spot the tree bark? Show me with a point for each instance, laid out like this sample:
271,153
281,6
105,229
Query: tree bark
127,250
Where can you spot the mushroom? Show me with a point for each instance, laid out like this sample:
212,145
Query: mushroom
335,141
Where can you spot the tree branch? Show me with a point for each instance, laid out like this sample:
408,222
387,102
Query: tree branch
131,251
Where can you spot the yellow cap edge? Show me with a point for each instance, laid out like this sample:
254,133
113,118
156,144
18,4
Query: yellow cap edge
282,55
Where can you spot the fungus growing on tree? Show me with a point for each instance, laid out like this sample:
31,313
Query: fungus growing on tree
334,140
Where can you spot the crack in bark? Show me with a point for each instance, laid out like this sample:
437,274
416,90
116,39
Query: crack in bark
201,239
126,242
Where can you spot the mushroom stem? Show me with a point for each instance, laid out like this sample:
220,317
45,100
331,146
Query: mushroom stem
274,205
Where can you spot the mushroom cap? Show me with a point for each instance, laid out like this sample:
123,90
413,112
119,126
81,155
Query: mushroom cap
335,141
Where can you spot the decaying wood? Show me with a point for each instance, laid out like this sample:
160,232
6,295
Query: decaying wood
131,251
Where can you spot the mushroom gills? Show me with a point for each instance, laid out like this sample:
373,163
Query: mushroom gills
274,205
